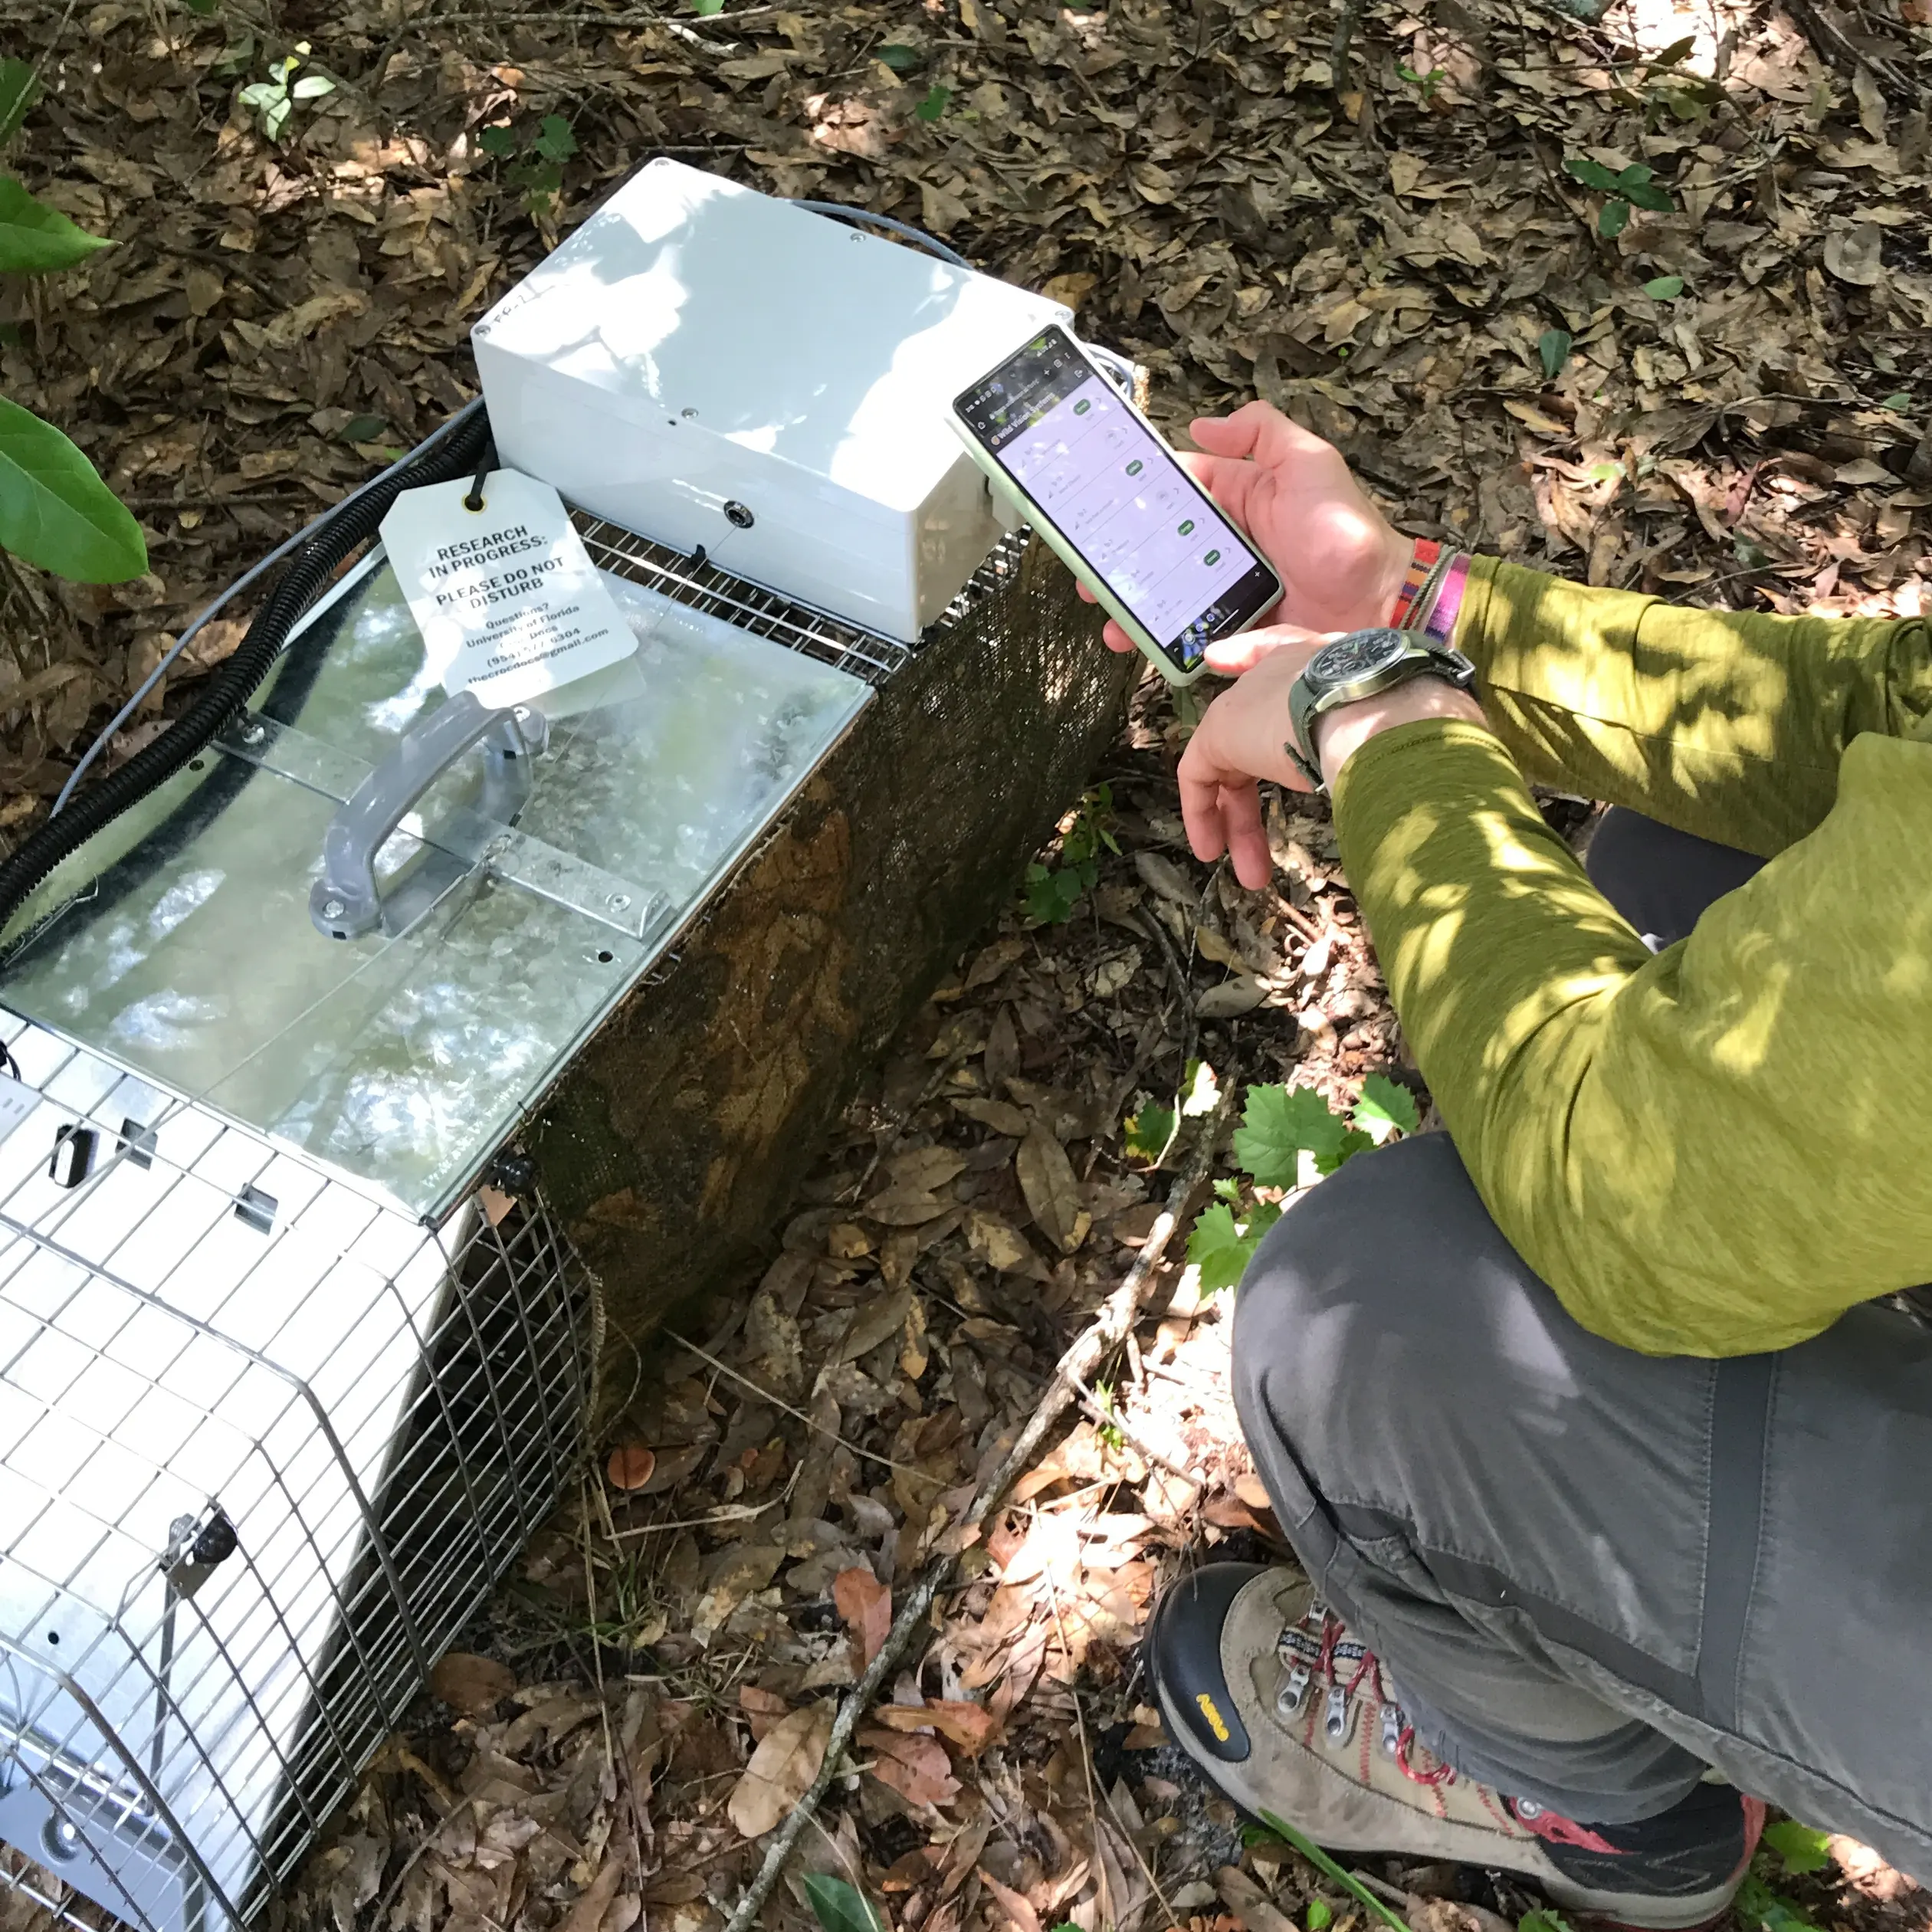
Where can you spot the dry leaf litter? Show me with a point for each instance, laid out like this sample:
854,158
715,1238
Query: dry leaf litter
1365,214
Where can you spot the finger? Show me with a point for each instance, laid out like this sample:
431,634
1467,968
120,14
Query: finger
1240,825
1201,810
1227,480
1232,656
1086,595
1115,638
1260,431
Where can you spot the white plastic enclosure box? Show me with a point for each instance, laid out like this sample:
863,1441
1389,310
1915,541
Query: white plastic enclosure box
705,364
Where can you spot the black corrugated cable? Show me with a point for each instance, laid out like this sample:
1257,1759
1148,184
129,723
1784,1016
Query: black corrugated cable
310,572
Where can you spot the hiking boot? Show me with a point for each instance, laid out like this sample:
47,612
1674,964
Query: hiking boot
1286,1712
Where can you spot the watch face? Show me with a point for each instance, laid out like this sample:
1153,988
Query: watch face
1359,655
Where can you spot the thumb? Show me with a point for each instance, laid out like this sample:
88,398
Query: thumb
1242,652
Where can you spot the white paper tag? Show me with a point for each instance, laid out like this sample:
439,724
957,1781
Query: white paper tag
508,601
17,1100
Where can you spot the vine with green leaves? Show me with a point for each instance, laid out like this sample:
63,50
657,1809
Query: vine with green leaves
1053,892
55,511
1279,1125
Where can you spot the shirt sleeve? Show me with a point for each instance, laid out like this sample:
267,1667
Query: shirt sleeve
1717,1150
1728,724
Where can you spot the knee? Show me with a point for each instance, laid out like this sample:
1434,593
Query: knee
1347,1258
1351,1301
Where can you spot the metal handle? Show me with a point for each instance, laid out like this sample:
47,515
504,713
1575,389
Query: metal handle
344,902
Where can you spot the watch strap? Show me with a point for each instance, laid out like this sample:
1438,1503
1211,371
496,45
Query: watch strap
1427,657
1300,743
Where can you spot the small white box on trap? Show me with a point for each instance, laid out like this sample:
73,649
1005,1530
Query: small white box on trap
707,365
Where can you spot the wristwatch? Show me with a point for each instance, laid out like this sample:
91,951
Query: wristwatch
1358,666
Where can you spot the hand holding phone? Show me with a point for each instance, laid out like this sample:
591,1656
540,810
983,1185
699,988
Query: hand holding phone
1089,472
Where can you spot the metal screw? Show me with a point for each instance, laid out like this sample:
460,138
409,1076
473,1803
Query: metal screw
333,909
687,412
618,901
738,516
253,734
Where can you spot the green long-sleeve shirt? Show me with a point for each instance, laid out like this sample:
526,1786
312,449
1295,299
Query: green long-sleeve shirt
1717,1149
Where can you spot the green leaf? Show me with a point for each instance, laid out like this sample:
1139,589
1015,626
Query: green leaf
1678,51
35,238
313,87
1902,400
901,60
1219,1248
1654,198
1604,473
1546,1921
1051,896
1354,1142
935,104
1634,176
1553,345
277,118
1385,1107
1756,1904
1592,174
1801,1849
705,9
19,89
497,140
555,141
55,509
261,93
1613,220
1147,1134
1664,288
362,429
1319,1916
839,1906
205,8
1276,1125
1322,1861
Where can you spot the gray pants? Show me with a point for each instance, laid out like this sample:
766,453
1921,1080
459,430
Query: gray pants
1592,1574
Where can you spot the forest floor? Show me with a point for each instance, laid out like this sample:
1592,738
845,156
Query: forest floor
1374,217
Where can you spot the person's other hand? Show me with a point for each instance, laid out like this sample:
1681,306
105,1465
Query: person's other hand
1242,738
1340,563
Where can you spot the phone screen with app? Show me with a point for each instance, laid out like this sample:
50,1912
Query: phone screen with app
1115,492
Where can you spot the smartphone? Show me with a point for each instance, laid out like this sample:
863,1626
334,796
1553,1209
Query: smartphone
1087,470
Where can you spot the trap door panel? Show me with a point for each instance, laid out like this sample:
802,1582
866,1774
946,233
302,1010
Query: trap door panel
179,944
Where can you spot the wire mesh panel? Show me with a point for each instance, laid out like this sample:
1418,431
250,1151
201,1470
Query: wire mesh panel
265,1443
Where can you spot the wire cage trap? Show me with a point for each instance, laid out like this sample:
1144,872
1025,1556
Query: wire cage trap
265,1444
280,1400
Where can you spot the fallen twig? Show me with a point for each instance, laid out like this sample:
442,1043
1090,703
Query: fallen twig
1105,1333
1338,71
763,1394
1106,1418
1831,40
